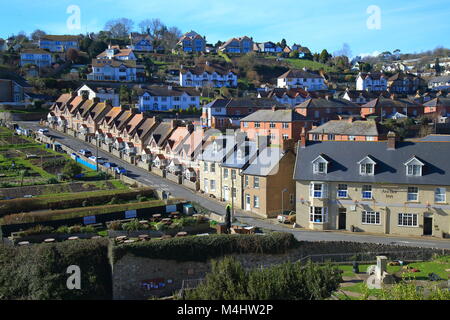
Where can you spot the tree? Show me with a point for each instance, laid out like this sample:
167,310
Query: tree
72,169
96,48
119,28
37,34
324,56
283,43
152,27
437,67
72,54
293,54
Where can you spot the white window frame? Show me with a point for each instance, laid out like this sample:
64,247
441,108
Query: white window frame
413,196
408,217
316,193
370,217
256,201
442,194
323,214
363,192
256,182
340,189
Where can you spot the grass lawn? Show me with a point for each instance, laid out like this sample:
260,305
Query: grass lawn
224,56
309,64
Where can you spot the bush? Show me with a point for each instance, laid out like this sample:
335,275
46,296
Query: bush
228,280
115,225
38,229
38,272
52,181
204,248
133,225
72,169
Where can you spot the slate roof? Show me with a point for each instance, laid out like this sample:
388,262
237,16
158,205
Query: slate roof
437,138
437,102
232,161
390,167
244,103
327,103
164,91
222,151
60,37
299,74
440,79
208,68
281,115
266,163
355,128
161,132
390,103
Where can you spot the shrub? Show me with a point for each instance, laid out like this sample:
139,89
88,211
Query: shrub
71,169
52,181
38,229
115,225
38,272
204,248
75,229
133,225
228,280
62,229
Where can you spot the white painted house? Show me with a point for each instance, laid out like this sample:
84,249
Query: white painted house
37,57
115,70
59,43
301,79
103,94
157,98
371,82
208,75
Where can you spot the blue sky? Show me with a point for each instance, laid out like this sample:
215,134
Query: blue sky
411,26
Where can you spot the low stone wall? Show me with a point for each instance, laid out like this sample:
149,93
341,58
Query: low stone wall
191,185
128,158
174,178
116,153
159,172
131,272
191,230
8,116
106,147
132,182
144,165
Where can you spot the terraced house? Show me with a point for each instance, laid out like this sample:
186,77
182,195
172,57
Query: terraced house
208,75
301,79
159,98
381,187
59,43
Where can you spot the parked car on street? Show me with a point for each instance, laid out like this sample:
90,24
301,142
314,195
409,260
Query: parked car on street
110,165
85,153
98,160
43,131
120,170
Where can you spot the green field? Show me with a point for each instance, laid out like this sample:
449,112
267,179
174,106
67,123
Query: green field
300,64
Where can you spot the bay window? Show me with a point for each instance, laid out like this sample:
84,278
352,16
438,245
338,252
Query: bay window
318,214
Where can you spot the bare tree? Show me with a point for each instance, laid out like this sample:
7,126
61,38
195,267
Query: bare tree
119,28
37,34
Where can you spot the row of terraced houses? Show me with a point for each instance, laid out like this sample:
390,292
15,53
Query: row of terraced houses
280,161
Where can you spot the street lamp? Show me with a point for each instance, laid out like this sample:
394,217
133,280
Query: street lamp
282,199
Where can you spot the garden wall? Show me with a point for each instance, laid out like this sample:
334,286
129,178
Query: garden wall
138,277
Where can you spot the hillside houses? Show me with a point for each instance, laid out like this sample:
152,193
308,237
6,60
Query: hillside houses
301,79
208,75
192,42
372,81
59,43
237,45
164,98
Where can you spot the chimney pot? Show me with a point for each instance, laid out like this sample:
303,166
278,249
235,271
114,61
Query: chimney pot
303,139
391,140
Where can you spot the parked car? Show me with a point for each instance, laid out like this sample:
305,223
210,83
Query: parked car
110,165
43,131
120,170
98,160
85,153
283,218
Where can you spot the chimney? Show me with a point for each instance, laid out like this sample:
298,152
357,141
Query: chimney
288,145
350,119
96,99
391,140
274,108
190,128
303,139
262,141
73,94
393,96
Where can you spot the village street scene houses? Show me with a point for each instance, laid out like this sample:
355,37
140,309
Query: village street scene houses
348,130
116,70
267,47
208,75
439,83
164,98
59,43
372,81
227,113
237,45
381,187
292,96
362,96
439,106
102,93
301,79
278,124
392,107
328,108
192,42
140,42
38,57
403,83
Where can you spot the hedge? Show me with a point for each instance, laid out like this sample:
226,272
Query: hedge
204,248
38,272
76,200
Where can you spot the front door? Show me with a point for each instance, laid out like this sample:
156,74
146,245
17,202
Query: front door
342,222
247,202
427,226
226,193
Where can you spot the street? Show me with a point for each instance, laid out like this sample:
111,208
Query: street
179,191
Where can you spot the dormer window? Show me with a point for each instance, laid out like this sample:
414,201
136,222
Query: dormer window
320,165
414,167
367,166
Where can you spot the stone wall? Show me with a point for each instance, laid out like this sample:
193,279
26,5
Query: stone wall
131,273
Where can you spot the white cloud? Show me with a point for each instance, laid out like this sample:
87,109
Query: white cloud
373,54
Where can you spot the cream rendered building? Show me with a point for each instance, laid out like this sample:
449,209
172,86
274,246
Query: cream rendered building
380,187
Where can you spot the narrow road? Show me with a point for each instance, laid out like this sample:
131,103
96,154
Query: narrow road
213,205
